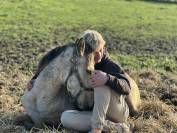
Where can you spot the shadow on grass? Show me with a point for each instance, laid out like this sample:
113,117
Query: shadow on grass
161,1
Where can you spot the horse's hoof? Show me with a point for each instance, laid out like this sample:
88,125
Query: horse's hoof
28,125
20,119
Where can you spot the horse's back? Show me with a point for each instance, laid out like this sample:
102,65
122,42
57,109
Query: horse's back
133,99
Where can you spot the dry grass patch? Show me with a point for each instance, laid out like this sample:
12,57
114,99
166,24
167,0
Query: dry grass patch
12,84
157,115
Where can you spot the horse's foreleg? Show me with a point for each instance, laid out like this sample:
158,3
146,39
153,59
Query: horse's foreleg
29,104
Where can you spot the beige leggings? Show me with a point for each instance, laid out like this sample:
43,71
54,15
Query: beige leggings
108,106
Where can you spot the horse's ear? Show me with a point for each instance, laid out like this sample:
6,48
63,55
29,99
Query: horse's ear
80,46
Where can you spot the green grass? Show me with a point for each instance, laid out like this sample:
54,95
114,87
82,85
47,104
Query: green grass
135,29
164,63
61,19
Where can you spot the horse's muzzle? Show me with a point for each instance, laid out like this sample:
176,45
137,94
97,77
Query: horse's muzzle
89,71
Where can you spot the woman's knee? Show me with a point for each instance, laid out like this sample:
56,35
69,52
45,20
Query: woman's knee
76,120
66,118
102,91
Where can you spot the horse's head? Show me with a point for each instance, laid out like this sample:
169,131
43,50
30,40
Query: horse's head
88,45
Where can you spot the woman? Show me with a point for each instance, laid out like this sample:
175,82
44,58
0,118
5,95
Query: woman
111,85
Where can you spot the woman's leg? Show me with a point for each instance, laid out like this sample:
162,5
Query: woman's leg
118,110
76,120
108,104
81,121
102,97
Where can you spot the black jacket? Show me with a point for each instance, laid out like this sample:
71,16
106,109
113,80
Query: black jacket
117,79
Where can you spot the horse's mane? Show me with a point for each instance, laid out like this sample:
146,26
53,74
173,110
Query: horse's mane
52,54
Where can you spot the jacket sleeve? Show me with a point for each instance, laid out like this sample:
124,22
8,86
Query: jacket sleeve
46,59
119,83
117,79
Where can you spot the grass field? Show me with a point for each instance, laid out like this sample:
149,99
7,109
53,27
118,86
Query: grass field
141,35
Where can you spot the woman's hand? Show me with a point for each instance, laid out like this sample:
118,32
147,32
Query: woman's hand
98,78
30,84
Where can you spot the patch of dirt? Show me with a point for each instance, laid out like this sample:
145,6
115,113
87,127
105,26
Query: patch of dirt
26,51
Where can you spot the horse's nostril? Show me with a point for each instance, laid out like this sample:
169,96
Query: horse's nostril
89,71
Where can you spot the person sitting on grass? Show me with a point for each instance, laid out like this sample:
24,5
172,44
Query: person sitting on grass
111,85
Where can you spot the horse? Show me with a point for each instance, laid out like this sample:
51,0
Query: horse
68,72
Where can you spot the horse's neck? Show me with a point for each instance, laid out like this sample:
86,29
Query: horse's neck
64,57
84,76
61,65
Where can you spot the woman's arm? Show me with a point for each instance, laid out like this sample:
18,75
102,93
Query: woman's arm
117,79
